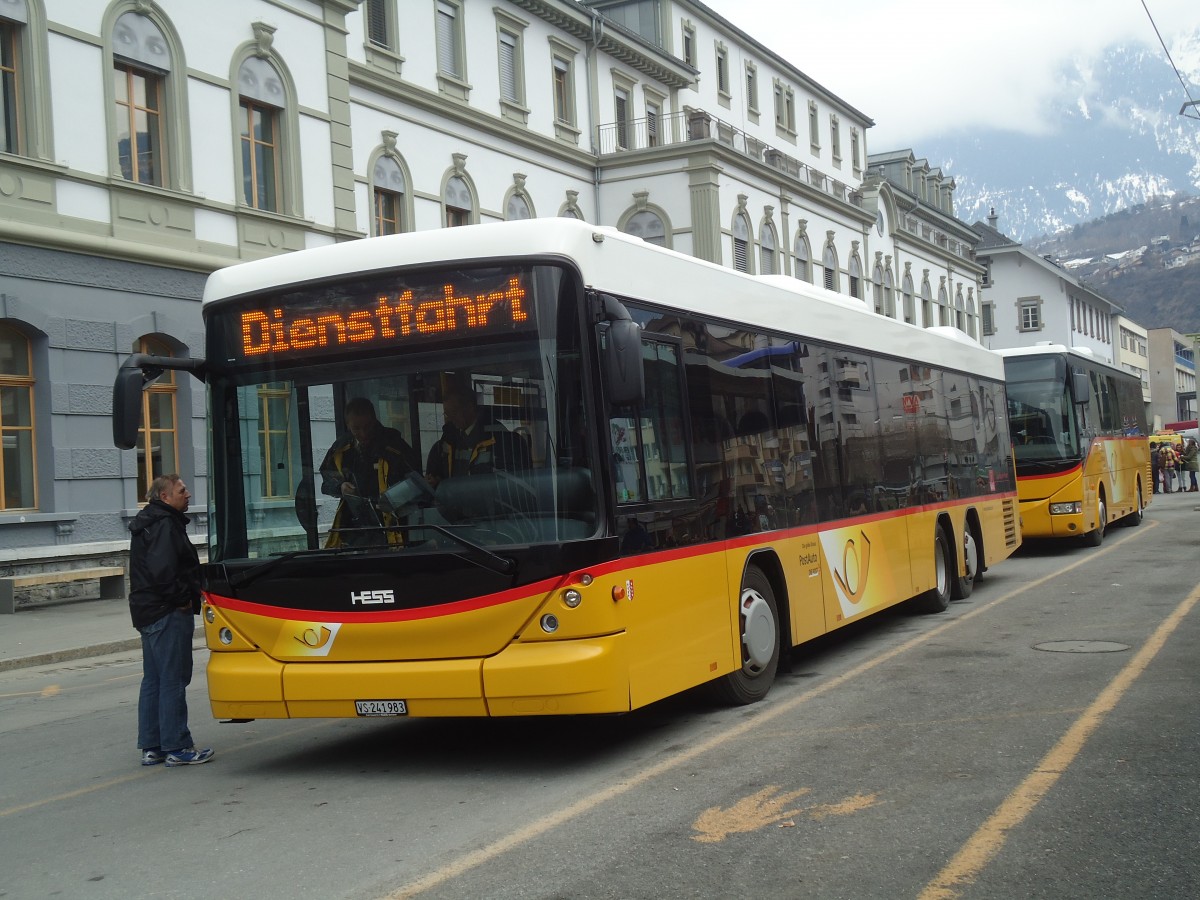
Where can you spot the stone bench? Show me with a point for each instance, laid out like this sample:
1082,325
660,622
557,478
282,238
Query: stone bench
111,578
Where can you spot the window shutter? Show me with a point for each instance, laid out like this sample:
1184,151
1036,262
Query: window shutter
508,69
447,45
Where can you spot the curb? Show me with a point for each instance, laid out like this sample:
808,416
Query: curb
74,653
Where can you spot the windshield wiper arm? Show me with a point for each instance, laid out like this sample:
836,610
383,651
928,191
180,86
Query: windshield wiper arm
256,572
481,556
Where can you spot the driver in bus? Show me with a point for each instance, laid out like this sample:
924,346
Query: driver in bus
473,441
364,463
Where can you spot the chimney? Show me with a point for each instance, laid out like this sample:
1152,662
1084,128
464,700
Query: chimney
993,219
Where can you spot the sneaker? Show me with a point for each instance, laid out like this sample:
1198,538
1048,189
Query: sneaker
152,757
188,756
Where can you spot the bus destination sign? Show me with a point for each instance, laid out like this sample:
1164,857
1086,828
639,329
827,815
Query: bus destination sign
375,318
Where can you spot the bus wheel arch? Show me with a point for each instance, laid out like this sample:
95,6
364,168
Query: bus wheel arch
762,631
969,557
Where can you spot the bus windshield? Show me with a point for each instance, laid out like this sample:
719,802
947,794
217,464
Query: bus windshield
401,413
1041,411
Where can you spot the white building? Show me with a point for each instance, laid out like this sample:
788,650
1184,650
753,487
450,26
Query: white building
1028,299
148,142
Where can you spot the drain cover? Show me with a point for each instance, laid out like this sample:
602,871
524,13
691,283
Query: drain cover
1081,646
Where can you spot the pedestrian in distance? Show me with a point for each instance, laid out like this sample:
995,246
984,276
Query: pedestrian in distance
164,597
1168,461
1155,469
1190,462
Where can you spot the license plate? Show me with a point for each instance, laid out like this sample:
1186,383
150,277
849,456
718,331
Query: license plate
381,707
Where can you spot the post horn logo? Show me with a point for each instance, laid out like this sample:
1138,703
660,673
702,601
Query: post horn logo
313,638
861,562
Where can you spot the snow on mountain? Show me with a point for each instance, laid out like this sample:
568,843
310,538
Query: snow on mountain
1120,142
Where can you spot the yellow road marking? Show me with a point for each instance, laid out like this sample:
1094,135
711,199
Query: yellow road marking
586,804
983,846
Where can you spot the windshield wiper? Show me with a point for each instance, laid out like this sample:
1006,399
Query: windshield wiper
255,572
479,555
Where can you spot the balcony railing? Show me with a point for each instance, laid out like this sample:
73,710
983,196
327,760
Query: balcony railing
696,125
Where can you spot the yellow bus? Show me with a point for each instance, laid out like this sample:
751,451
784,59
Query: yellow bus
713,468
1079,436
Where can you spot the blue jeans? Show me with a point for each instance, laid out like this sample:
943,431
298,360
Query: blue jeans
166,673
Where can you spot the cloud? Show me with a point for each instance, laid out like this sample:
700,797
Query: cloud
946,68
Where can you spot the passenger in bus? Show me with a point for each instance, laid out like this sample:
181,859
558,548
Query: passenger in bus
364,463
473,441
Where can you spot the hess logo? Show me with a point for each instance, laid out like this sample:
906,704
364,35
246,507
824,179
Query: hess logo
371,598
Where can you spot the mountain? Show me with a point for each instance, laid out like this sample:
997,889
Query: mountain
1121,142
1145,257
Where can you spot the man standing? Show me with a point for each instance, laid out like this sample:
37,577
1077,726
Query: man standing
164,596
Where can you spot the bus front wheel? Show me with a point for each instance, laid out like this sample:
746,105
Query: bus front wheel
1095,537
758,616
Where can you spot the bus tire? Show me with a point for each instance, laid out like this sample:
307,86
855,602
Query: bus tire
937,598
1095,537
1134,519
962,585
759,623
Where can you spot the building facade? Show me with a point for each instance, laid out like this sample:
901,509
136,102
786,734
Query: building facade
1172,376
149,142
1029,300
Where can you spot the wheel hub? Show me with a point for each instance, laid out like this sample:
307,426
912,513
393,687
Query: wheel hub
758,631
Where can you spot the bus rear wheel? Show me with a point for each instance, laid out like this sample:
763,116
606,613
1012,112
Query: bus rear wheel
759,622
962,585
1134,519
937,598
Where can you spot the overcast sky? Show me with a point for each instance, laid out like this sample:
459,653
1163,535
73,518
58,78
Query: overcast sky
939,66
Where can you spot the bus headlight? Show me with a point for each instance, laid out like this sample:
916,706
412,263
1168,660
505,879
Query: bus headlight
1066,509
572,598
209,615
226,636
549,623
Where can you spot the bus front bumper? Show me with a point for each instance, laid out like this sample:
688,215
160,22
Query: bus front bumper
525,679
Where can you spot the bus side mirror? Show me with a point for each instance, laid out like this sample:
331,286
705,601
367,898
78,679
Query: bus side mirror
624,379
1081,388
134,376
127,404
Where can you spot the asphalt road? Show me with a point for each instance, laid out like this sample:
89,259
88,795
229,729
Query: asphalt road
1041,739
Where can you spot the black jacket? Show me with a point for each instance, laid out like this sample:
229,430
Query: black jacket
164,569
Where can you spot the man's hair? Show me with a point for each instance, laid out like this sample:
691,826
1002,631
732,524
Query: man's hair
360,406
160,484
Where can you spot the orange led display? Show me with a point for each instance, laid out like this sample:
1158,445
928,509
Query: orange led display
386,317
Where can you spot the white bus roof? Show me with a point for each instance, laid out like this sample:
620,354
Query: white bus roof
628,267
1084,354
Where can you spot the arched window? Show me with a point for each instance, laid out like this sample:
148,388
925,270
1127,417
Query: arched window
18,473
647,225
829,261
906,289
889,294
877,288
741,243
943,304
158,441
14,29
926,301
517,208
389,190
766,250
141,66
854,269
458,202
803,258
261,102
